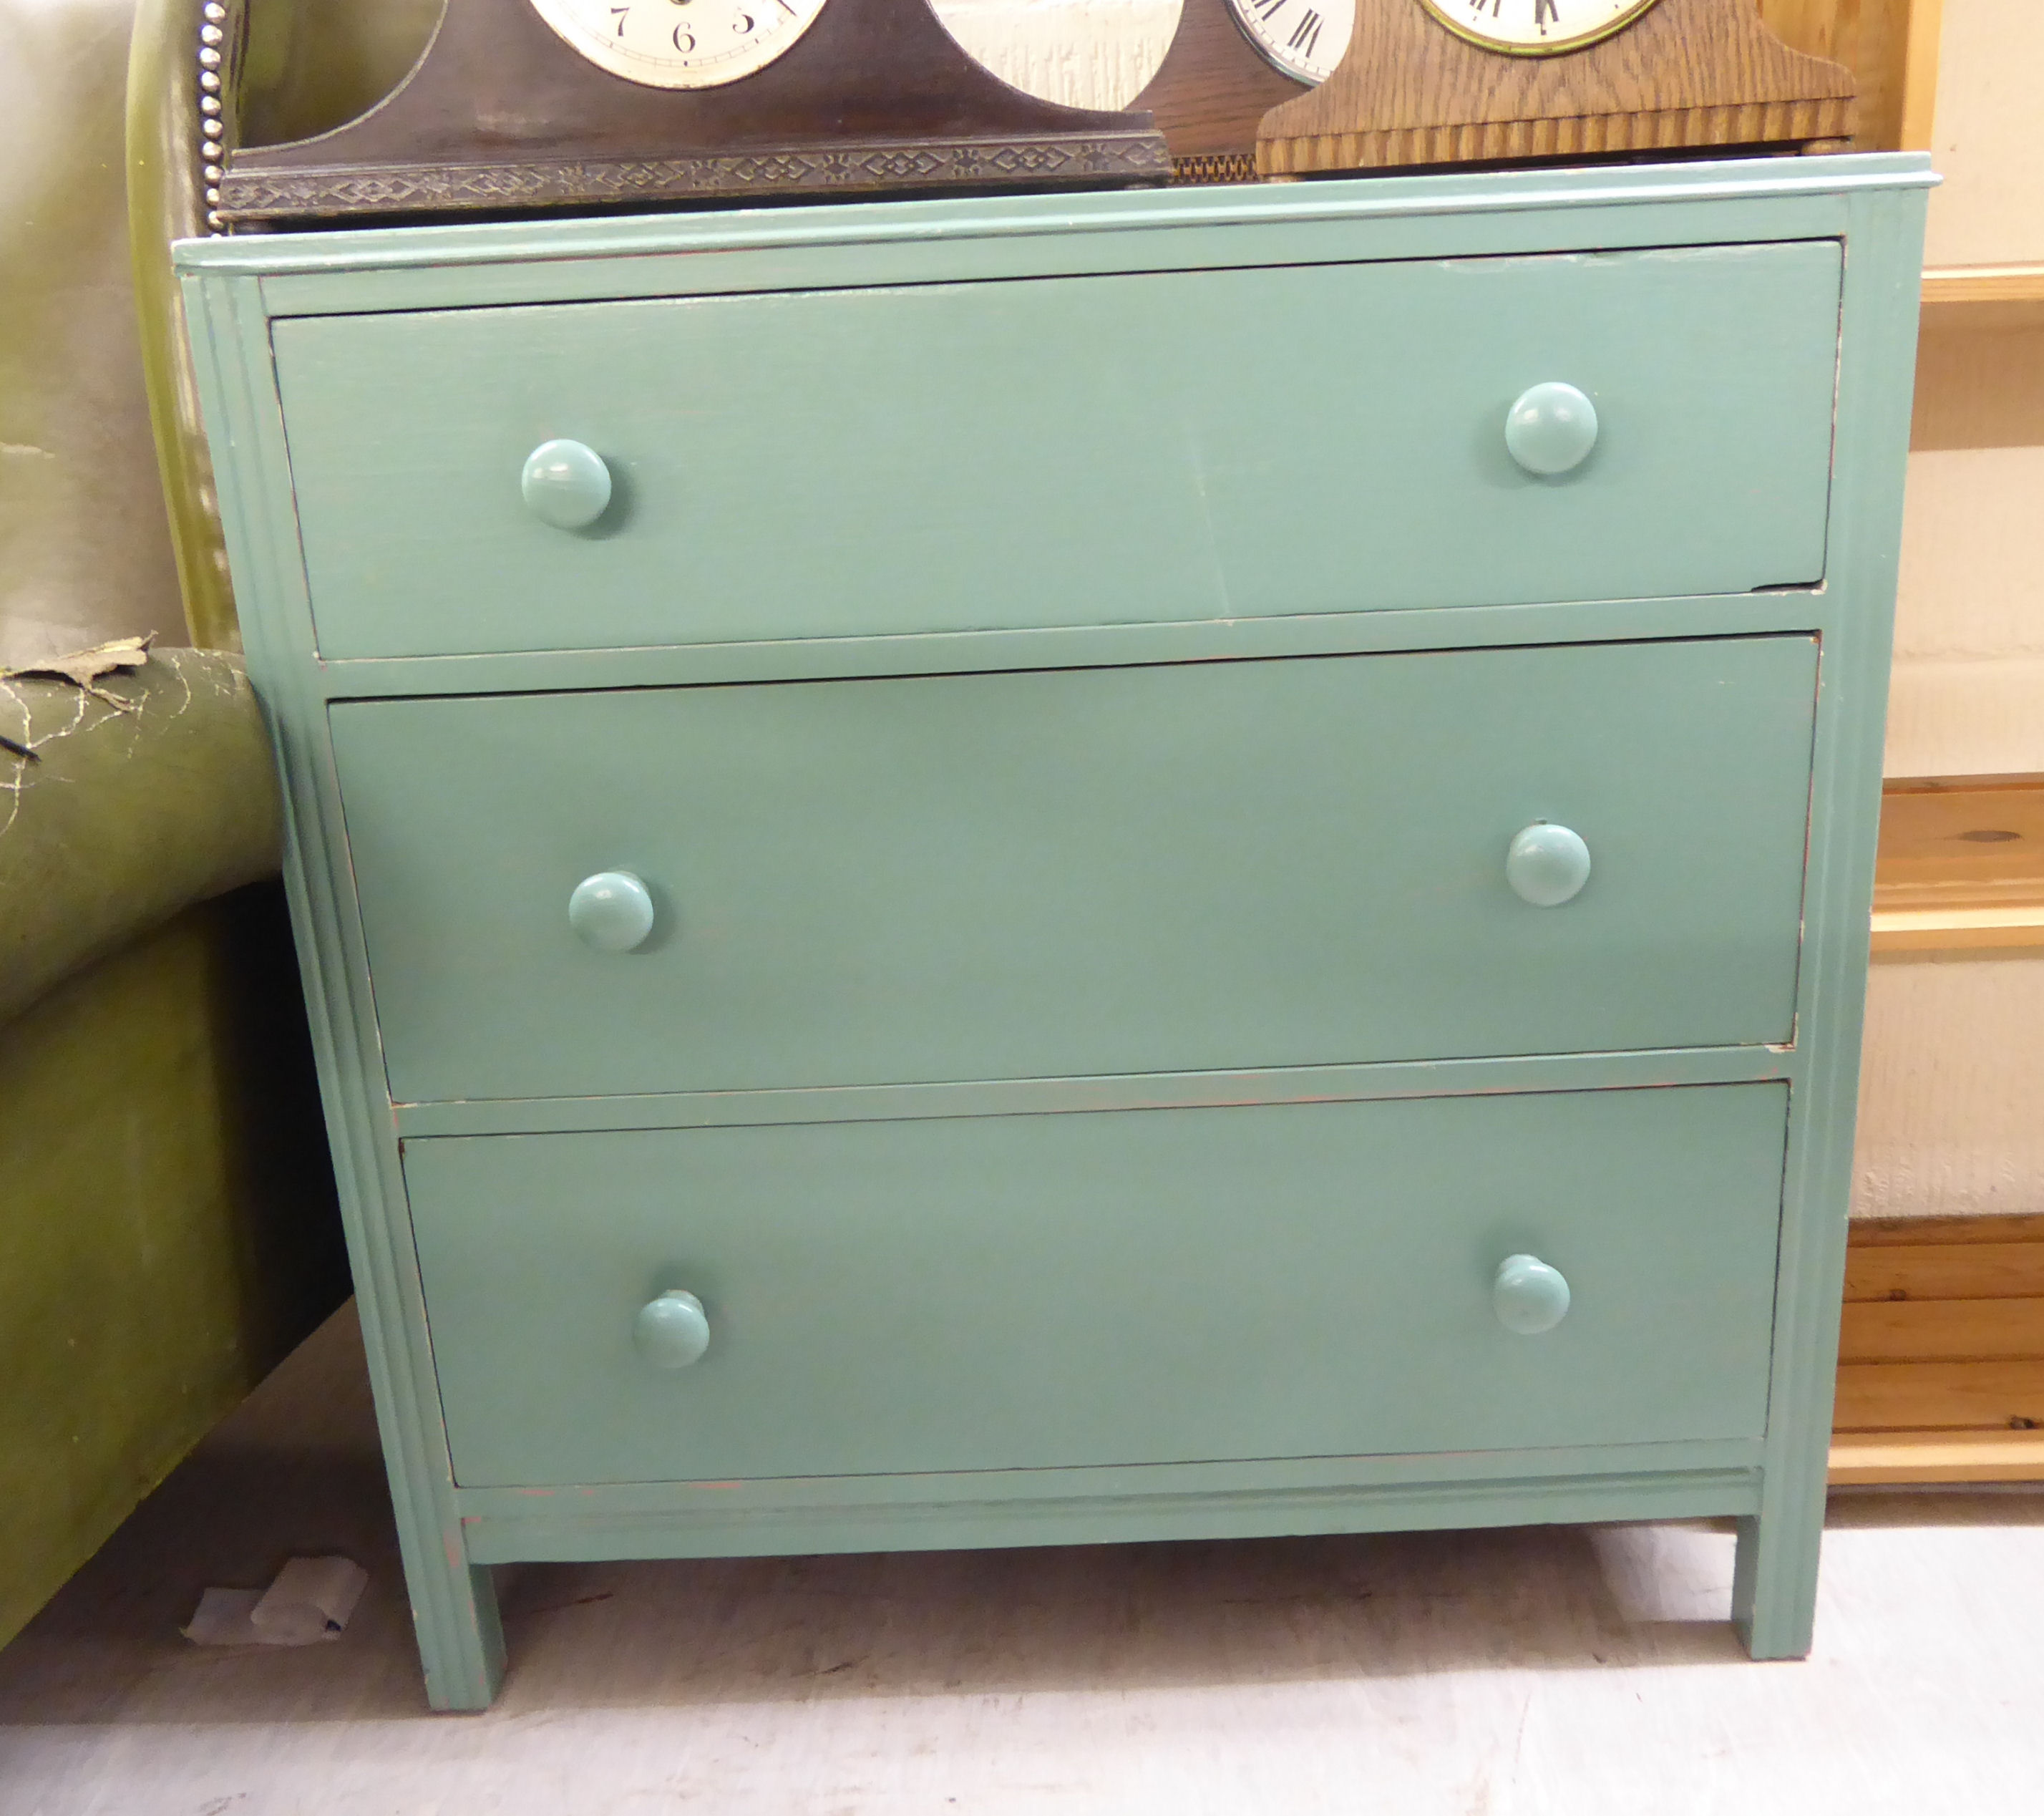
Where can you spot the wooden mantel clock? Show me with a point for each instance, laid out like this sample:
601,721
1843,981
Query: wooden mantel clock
555,104
1229,63
1443,82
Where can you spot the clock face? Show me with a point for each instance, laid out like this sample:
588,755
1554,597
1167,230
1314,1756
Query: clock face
1304,38
680,43
1534,27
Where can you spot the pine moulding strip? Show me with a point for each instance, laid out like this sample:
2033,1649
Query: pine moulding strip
1956,929
1937,1456
1986,295
1961,864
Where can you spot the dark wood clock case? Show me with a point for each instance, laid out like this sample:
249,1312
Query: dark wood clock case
500,115
1208,94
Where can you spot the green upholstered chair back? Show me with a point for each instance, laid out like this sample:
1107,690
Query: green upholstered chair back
285,69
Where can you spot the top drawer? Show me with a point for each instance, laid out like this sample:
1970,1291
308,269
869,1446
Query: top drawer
1169,446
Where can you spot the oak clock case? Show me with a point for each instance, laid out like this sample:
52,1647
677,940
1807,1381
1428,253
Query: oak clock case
1536,28
1448,82
561,105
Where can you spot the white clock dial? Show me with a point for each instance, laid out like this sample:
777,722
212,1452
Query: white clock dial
680,43
1534,27
1304,38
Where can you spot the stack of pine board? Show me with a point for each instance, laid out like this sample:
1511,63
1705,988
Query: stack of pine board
1940,1353
1941,1356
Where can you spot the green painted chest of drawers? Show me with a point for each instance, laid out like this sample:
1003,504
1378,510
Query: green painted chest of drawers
985,872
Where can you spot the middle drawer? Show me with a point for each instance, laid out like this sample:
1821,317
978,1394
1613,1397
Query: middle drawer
1176,868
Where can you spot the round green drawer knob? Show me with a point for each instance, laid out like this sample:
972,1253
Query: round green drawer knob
1547,865
673,1331
612,911
1529,1296
566,484
1551,429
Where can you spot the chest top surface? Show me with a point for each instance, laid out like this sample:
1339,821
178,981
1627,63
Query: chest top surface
1023,235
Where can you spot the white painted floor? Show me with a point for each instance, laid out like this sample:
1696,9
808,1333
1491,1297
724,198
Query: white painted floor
1481,1673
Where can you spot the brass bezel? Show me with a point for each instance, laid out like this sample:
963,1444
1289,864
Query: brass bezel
1434,10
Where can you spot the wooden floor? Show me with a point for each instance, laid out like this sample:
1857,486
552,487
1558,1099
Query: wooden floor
1487,1673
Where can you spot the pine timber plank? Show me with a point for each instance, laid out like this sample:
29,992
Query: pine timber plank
1956,929
1942,1330
1969,286
1905,1396
1941,1352
1938,1456
1915,89
1946,1271
1914,1232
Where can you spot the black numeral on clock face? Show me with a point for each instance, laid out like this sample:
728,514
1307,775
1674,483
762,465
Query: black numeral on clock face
1545,12
1305,35
1266,9
620,14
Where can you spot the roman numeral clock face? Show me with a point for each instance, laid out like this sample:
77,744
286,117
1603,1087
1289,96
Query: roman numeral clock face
1534,27
1304,38
680,43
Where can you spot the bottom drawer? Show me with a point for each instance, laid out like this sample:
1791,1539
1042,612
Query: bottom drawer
1128,1286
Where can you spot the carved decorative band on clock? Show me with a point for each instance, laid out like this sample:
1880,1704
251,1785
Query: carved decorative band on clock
1753,123
290,195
